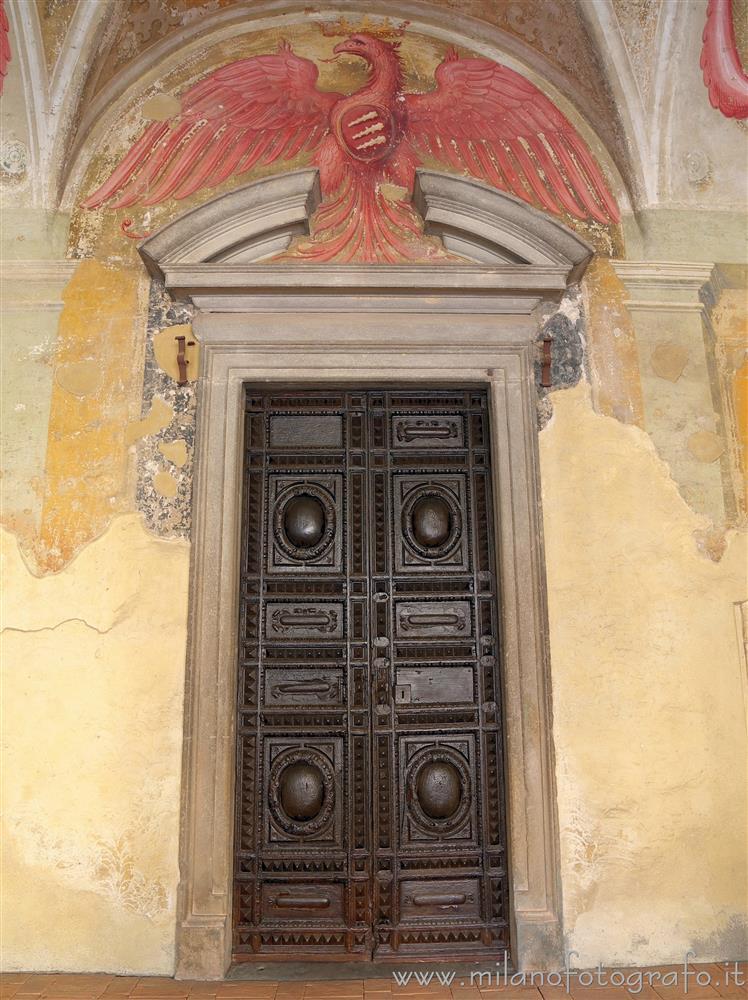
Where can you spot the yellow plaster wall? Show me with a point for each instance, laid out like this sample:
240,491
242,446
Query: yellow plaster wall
93,668
648,699
97,380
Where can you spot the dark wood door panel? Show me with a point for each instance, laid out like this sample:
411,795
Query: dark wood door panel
369,791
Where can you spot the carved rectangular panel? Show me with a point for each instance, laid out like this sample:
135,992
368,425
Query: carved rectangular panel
306,431
440,430
284,902
370,817
303,687
297,620
429,619
445,900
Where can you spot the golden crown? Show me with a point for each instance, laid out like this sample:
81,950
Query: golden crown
384,28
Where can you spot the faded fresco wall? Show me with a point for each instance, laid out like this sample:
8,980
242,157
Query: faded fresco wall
649,699
643,455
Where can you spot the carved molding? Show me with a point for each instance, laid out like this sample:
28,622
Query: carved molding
34,285
212,254
494,227
245,225
663,285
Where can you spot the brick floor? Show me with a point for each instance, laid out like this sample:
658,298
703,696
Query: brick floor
26,986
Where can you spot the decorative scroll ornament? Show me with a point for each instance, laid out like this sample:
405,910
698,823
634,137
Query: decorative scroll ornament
724,76
426,430
481,118
14,158
126,226
286,620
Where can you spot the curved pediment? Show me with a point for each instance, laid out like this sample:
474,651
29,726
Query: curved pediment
489,226
227,245
251,223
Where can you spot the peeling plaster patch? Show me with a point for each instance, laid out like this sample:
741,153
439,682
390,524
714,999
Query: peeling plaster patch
706,446
393,192
730,942
565,326
612,353
161,107
97,654
158,417
638,21
727,305
669,360
646,657
165,351
711,542
175,451
85,478
79,378
165,484
165,498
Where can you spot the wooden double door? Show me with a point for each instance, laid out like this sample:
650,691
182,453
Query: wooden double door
369,782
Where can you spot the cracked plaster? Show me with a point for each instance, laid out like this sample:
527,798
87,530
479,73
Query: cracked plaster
646,661
93,662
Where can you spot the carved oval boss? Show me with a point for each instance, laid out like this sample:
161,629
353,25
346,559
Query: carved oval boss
301,791
438,790
304,521
431,521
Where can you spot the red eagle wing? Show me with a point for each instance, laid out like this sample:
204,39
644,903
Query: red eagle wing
4,44
720,63
251,111
492,122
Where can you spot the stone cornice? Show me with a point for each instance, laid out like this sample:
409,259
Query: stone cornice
670,286
37,270
34,284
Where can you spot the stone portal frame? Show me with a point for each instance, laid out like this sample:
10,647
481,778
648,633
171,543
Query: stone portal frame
462,325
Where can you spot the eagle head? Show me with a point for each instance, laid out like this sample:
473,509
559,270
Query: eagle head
367,47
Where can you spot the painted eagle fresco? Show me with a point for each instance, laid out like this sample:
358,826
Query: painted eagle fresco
4,44
724,76
482,118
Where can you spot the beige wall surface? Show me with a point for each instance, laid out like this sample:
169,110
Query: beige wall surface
642,469
93,667
649,697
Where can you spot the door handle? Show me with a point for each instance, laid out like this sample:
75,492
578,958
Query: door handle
287,901
439,899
